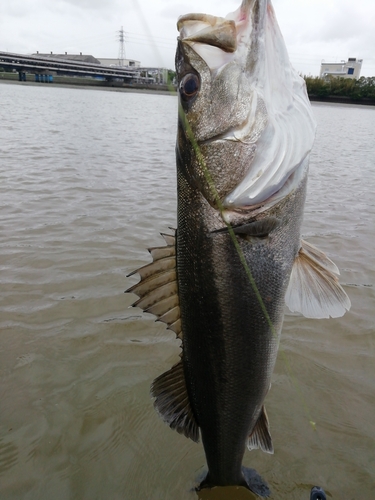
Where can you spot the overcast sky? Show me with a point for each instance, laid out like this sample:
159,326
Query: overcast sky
314,30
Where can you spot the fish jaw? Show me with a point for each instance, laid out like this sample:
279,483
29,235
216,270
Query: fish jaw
250,117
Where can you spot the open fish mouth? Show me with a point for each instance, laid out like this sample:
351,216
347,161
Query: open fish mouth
244,55
209,30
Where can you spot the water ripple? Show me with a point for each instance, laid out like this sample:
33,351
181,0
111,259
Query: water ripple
87,183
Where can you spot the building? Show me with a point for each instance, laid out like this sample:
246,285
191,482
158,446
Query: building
71,57
118,62
349,69
93,60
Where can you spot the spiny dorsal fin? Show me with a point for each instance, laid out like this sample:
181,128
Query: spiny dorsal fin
157,295
162,252
170,239
260,436
146,285
313,288
156,267
172,402
157,290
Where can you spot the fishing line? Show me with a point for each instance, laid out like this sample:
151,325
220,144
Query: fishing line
240,253
216,197
157,52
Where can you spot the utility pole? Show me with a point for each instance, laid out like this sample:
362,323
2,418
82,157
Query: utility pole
121,51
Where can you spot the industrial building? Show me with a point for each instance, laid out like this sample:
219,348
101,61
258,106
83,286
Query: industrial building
91,59
70,57
344,69
119,62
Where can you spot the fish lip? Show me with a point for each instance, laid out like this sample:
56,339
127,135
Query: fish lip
209,30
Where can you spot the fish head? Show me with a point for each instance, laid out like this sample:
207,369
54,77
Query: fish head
245,122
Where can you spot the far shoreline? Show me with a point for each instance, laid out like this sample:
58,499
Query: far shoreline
342,100
160,89
135,88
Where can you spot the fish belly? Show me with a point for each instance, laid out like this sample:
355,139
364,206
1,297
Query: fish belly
229,346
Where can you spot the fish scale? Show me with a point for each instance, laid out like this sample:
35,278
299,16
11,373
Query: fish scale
245,131
227,341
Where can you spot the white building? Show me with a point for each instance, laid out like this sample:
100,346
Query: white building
117,62
344,69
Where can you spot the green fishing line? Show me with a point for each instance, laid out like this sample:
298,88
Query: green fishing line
214,192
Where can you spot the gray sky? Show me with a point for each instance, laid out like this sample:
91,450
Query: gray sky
313,29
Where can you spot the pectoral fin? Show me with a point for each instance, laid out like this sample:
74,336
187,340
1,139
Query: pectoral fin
257,229
313,289
260,436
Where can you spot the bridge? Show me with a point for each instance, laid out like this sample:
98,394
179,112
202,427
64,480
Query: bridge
45,67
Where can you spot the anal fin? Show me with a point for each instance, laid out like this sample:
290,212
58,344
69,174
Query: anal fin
313,289
172,402
260,436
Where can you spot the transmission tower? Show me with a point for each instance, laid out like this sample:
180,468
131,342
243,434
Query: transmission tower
121,50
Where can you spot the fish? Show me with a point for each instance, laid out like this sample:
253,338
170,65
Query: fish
221,281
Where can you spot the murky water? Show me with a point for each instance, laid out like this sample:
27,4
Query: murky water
87,183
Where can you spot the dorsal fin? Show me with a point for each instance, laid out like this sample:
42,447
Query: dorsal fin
313,288
157,290
172,402
158,294
260,436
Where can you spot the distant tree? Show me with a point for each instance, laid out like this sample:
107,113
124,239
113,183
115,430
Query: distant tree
364,87
317,87
171,76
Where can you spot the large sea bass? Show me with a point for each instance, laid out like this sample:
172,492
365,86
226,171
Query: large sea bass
245,132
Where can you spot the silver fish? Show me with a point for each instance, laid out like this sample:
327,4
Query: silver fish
245,133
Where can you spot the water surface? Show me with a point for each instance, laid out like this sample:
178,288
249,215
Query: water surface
87,183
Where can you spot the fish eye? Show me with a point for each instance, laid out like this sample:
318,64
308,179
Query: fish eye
189,86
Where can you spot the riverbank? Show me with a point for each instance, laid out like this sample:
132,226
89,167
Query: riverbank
89,83
343,100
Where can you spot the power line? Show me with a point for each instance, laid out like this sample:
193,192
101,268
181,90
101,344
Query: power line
151,37
149,43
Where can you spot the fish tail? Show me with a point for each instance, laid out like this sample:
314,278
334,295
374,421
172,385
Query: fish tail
250,480
255,482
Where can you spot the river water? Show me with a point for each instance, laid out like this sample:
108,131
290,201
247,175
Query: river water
87,183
